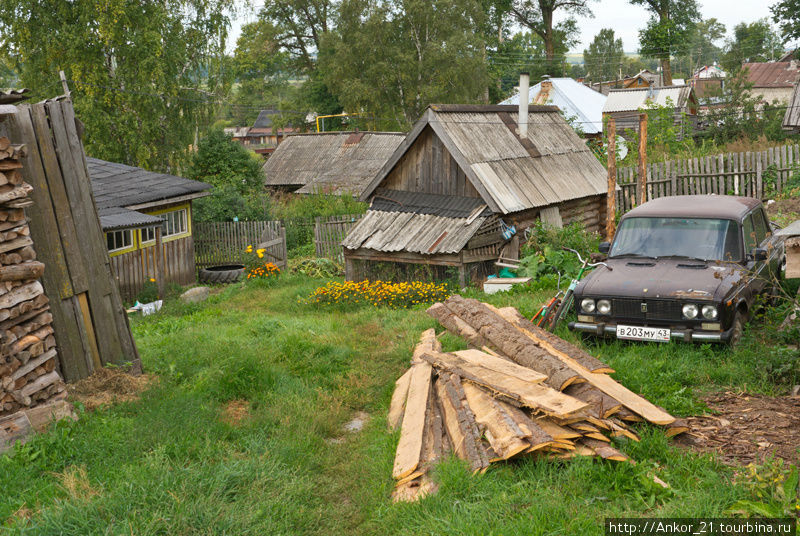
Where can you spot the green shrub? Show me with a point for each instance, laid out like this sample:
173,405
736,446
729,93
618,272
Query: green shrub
542,257
149,292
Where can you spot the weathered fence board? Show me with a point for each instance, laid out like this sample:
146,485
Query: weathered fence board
753,174
329,233
219,243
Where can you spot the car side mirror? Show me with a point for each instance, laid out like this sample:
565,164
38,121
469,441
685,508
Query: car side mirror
604,247
759,254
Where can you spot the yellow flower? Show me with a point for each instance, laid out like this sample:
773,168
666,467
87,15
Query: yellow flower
260,255
152,280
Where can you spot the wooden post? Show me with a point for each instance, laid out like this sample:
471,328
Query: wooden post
611,198
641,187
159,259
64,85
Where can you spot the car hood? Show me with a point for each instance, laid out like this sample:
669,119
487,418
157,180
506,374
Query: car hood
662,278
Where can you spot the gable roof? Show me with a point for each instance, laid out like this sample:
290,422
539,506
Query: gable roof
630,100
264,119
511,174
331,162
574,100
118,189
772,74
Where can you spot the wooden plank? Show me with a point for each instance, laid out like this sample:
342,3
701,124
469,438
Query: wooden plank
502,366
409,448
398,403
532,395
504,435
84,314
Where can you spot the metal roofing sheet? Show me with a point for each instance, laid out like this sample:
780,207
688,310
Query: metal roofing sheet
574,100
630,100
426,234
118,185
327,163
11,96
113,218
772,74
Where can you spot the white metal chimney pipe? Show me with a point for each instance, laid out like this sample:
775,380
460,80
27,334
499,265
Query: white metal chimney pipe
524,99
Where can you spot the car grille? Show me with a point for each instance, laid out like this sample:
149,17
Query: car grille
631,309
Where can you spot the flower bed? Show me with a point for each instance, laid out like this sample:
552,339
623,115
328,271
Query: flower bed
379,293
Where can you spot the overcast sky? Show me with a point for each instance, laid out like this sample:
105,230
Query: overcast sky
625,19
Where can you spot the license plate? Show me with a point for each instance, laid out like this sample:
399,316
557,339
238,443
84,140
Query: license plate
638,333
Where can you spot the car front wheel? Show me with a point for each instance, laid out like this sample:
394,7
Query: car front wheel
737,329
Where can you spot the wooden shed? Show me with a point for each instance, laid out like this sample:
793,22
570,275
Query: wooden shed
462,177
625,105
336,163
138,210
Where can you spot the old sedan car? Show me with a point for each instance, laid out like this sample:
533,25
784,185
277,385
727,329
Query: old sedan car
682,267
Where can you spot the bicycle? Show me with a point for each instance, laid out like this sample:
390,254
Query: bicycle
566,302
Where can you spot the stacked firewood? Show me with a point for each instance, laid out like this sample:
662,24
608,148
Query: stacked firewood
520,391
28,361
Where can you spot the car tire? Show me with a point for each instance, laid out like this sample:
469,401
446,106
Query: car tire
221,275
737,329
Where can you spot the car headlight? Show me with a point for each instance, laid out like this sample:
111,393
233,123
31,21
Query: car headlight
587,305
710,312
603,307
690,311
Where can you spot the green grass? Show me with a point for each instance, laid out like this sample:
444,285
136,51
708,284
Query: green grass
168,464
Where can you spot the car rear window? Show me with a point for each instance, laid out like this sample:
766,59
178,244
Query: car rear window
703,238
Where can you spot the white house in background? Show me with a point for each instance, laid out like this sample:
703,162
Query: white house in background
579,103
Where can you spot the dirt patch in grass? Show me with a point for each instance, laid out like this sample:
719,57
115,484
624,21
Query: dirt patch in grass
107,386
784,211
235,412
76,483
747,428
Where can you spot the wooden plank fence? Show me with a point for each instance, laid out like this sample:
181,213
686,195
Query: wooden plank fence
753,174
329,233
220,243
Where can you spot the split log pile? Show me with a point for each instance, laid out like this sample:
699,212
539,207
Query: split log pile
519,391
28,359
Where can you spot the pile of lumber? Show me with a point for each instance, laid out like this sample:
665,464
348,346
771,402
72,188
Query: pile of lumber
519,391
28,359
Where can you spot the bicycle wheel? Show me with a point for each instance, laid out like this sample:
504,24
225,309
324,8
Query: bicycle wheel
561,311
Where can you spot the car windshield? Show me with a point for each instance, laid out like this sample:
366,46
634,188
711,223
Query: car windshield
695,238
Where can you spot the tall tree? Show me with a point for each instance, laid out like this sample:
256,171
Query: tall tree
787,15
751,42
703,47
539,17
301,25
143,74
524,51
391,59
668,30
603,58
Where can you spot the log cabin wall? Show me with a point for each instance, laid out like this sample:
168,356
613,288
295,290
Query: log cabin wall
590,212
427,167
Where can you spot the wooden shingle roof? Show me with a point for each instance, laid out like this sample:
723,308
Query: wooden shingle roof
332,162
553,164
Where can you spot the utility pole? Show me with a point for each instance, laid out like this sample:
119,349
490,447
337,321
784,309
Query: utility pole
611,198
641,187
64,85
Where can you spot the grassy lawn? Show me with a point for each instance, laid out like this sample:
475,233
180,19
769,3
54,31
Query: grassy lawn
172,463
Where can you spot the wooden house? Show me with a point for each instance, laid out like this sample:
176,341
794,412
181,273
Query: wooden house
625,105
139,210
335,163
773,81
463,177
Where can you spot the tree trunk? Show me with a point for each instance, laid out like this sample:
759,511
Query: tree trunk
666,71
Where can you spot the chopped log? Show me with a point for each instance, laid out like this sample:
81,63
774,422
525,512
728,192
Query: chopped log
601,405
455,325
10,193
502,335
25,270
398,404
427,343
31,365
41,383
17,243
502,366
554,430
501,430
533,395
679,426
604,451
14,428
409,448
552,343
21,294
460,422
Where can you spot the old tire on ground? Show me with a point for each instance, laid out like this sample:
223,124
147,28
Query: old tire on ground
737,329
220,275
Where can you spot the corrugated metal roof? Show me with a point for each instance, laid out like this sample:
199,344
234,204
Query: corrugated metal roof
426,234
118,185
114,218
11,96
630,100
327,163
772,74
573,99
450,206
513,179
